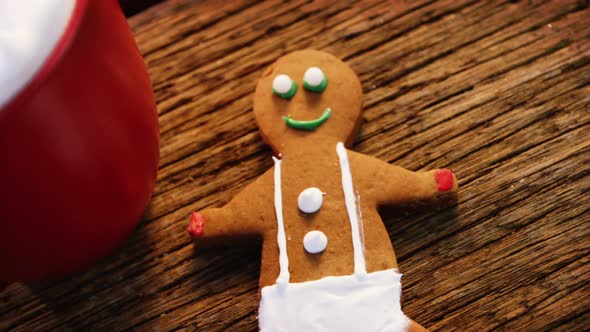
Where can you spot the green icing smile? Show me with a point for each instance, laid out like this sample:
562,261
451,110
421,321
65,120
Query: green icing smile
308,125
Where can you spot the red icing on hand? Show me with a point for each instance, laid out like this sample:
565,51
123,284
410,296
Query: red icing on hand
196,226
444,179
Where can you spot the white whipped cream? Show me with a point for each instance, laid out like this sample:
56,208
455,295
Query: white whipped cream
29,31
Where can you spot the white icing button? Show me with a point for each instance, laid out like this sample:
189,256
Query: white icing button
310,200
313,76
315,242
282,84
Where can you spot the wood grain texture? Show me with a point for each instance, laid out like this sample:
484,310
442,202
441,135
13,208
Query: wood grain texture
498,91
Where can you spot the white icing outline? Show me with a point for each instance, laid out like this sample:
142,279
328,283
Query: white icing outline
284,276
360,214
360,269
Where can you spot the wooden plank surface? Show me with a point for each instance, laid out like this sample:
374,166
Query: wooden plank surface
497,91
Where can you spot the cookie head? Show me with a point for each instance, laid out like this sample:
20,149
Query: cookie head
307,96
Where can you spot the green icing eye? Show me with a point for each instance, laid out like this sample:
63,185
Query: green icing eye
315,80
284,87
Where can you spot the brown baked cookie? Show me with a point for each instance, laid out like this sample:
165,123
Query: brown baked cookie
327,261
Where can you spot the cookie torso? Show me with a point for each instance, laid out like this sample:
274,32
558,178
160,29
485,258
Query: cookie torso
319,167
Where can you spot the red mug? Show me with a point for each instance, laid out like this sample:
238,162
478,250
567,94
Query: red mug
79,149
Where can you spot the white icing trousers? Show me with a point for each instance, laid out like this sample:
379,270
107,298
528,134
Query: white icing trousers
335,304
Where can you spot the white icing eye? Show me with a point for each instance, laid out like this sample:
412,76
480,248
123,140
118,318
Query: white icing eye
284,87
310,200
315,242
315,80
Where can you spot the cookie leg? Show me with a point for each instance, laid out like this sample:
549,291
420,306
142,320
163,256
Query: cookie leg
415,327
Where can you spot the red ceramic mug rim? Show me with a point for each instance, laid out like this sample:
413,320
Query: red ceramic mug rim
51,61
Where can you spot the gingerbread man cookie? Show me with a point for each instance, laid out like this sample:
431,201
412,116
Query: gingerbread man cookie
327,260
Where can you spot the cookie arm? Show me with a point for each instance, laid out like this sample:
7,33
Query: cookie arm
391,185
214,226
240,219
